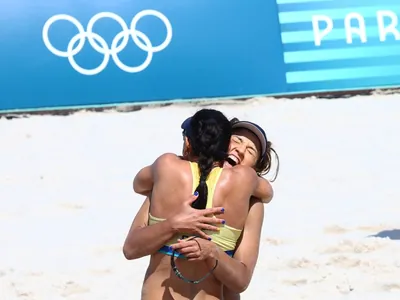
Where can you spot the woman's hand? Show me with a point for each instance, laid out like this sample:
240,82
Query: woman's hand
196,249
194,221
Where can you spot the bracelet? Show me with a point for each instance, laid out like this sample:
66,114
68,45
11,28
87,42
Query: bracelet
194,239
179,274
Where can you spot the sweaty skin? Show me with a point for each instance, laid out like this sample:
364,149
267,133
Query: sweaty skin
233,189
245,153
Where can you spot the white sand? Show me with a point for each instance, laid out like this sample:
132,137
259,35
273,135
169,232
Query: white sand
67,203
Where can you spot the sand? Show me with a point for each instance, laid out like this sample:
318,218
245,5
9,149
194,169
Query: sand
67,202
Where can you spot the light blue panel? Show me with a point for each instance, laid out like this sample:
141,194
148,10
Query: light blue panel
345,84
348,73
337,54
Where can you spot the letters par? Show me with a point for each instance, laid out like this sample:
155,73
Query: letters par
320,32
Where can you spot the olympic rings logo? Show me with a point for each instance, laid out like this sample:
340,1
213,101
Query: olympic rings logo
118,44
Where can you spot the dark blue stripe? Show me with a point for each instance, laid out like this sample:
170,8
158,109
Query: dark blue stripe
168,251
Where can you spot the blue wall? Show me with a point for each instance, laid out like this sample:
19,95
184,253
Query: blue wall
216,49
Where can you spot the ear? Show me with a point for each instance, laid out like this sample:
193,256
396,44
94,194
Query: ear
186,147
186,143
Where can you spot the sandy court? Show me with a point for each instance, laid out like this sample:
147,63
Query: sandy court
67,202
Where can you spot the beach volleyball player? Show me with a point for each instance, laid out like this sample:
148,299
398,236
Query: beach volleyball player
249,146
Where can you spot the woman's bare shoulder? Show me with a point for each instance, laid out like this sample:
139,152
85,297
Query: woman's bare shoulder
242,172
167,158
237,176
168,162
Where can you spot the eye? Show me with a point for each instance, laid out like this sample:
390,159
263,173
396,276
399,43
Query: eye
236,139
251,151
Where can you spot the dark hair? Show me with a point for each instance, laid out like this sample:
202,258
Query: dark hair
264,162
209,135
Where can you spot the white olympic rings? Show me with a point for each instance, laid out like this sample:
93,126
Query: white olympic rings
118,44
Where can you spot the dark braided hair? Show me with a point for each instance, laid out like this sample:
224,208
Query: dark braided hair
209,137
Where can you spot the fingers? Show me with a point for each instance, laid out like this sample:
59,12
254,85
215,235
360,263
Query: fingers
212,211
193,255
189,251
206,223
204,235
208,220
174,246
194,258
193,198
182,244
207,227
188,248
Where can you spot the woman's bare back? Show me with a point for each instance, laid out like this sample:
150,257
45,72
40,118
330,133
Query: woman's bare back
173,183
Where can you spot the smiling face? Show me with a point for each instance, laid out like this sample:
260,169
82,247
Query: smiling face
244,149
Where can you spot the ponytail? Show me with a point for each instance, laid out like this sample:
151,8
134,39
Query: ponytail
205,164
209,133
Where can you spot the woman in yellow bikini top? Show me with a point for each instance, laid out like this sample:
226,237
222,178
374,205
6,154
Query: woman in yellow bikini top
207,137
225,238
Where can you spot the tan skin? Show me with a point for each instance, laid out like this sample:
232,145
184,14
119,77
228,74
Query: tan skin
245,147
175,184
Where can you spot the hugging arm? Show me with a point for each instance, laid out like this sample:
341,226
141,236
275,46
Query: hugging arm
144,240
260,187
236,273
247,249
143,182
263,190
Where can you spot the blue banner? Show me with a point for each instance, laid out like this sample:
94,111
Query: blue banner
331,45
69,53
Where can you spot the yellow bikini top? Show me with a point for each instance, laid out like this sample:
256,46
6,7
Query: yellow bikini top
226,238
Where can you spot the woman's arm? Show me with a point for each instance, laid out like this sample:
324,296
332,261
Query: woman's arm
257,186
144,240
143,181
236,273
263,190
251,237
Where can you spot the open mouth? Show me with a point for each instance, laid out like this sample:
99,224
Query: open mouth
233,160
